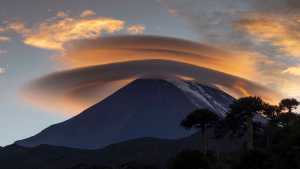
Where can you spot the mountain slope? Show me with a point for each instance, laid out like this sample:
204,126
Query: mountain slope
143,108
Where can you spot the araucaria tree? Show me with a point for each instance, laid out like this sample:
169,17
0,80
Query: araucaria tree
201,119
272,113
241,115
289,104
287,107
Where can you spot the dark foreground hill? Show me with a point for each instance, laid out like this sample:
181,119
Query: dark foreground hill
145,150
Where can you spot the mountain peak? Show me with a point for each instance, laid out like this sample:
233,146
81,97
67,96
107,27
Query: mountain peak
146,107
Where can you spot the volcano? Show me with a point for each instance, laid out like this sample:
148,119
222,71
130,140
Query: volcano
143,108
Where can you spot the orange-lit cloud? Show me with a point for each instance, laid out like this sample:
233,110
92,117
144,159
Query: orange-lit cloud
87,13
2,29
269,29
2,70
283,33
61,14
293,70
127,48
273,22
4,39
18,27
54,34
136,29
77,89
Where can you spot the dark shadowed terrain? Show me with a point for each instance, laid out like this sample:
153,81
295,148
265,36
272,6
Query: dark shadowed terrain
144,150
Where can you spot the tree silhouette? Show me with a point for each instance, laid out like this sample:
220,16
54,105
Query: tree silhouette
240,117
272,112
201,119
289,104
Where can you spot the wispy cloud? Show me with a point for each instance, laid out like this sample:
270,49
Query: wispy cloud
61,14
244,24
270,29
4,39
53,33
282,33
293,71
136,29
2,70
2,29
87,13
17,26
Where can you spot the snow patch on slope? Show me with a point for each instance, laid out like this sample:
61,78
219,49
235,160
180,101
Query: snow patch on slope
198,94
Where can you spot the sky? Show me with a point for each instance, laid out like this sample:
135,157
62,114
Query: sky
58,57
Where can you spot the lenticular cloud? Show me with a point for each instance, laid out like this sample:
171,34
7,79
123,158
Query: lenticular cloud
76,89
129,48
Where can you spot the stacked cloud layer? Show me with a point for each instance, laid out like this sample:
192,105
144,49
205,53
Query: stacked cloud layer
99,67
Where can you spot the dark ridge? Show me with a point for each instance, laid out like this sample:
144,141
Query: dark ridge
144,150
